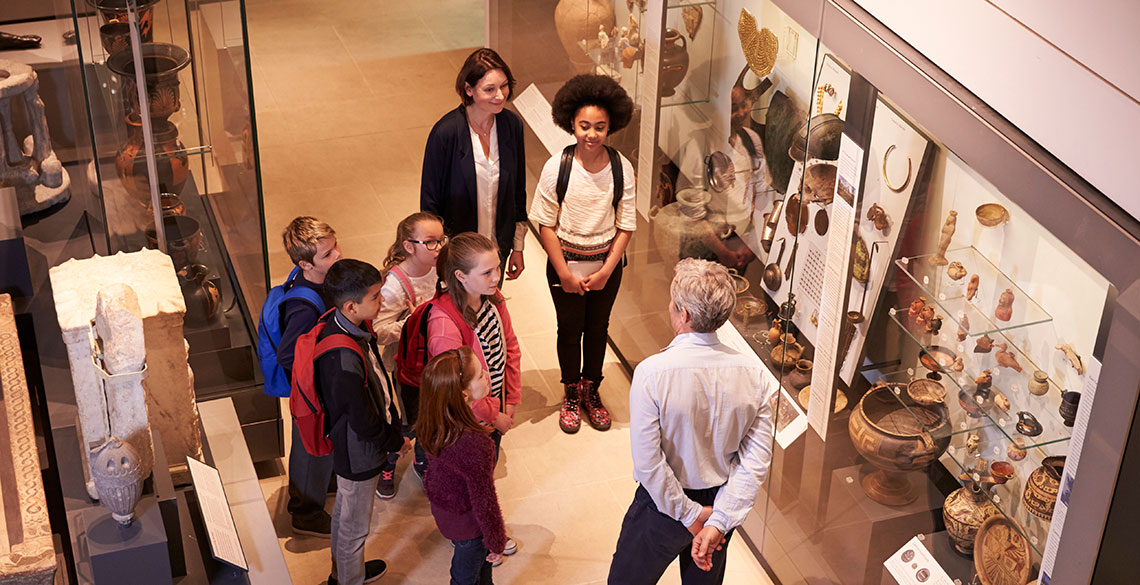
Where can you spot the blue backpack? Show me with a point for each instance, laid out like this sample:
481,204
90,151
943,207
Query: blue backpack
269,332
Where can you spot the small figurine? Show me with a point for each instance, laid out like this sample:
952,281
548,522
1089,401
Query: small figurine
879,215
1074,359
1001,401
603,38
973,442
972,287
1005,306
962,329
934,325
984,381
958,364
984,344
939,258
916,307
925,316
1006,358
955,271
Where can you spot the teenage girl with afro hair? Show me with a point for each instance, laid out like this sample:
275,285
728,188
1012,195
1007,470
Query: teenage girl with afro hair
585,233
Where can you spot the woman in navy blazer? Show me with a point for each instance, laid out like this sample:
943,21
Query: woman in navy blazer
474,172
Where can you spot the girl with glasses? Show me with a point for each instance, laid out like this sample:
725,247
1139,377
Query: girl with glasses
410,282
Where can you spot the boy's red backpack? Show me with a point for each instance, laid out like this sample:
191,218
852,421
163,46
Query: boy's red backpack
411,355
305,401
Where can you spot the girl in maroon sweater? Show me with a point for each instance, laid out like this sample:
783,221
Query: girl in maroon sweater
461,456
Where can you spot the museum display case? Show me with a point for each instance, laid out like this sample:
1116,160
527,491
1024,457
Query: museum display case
933,293
140,112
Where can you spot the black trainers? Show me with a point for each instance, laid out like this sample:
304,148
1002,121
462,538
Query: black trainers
373,570
318,524
386,487
420,467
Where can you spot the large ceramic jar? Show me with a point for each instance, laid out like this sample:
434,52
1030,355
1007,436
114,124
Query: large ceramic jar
1041,488
674,61
117,475
161,64
115,11
173,166
578,20
964,511
202,296
897,435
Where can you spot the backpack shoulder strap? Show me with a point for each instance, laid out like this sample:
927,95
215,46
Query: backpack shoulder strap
336,341
564,167
406,283
619,174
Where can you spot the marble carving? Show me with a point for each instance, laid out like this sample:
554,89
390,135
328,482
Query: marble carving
168,381
27,556
28,164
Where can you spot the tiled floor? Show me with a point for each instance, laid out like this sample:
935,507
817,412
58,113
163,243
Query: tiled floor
346,93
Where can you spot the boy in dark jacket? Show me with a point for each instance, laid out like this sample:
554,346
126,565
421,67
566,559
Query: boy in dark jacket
362,419
312,246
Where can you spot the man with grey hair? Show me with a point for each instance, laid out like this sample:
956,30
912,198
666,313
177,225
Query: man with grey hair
701,436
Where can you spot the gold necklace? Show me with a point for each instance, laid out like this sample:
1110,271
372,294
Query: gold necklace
484,133
830,91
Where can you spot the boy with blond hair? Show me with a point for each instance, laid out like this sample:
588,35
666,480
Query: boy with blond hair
313,248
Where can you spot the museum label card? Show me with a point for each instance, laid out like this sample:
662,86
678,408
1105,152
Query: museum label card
216,516
834,280
914,565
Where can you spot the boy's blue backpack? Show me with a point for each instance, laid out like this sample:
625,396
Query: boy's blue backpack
269,332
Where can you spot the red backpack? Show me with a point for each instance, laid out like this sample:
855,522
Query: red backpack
305,401
412,354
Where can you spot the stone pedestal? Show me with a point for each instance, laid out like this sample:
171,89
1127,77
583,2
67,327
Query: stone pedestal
27,555
169,382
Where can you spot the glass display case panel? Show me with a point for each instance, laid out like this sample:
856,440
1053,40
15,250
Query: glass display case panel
195,115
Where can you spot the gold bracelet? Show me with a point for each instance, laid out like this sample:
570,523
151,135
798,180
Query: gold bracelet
886,180
829,90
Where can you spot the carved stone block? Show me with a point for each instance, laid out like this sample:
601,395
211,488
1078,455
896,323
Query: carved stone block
27,556
169,382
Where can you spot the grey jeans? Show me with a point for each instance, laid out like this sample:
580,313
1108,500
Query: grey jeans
351,517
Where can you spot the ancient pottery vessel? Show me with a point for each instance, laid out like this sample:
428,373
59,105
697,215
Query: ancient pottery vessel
1001,553
115,11
897,435
183,239
925,391
991,214
1039,385
1068,409
1016,450
172,164
117,474
161,64
578,20
801,375
1041,488
787,351
964,511
115,37
748,308
674,61
1027,424
202,296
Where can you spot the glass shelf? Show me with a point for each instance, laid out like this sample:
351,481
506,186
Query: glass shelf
961,386
675,4
976,315
1006,497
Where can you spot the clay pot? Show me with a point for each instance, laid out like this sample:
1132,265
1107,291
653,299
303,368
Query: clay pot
183,239
897,435
674,61
1041,488
1069,403
964,511
1039,385
173,166
202,296
787,352
161,64
117,474
801,375
115,11
578,20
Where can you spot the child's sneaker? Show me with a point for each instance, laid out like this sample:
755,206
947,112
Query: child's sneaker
386,487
